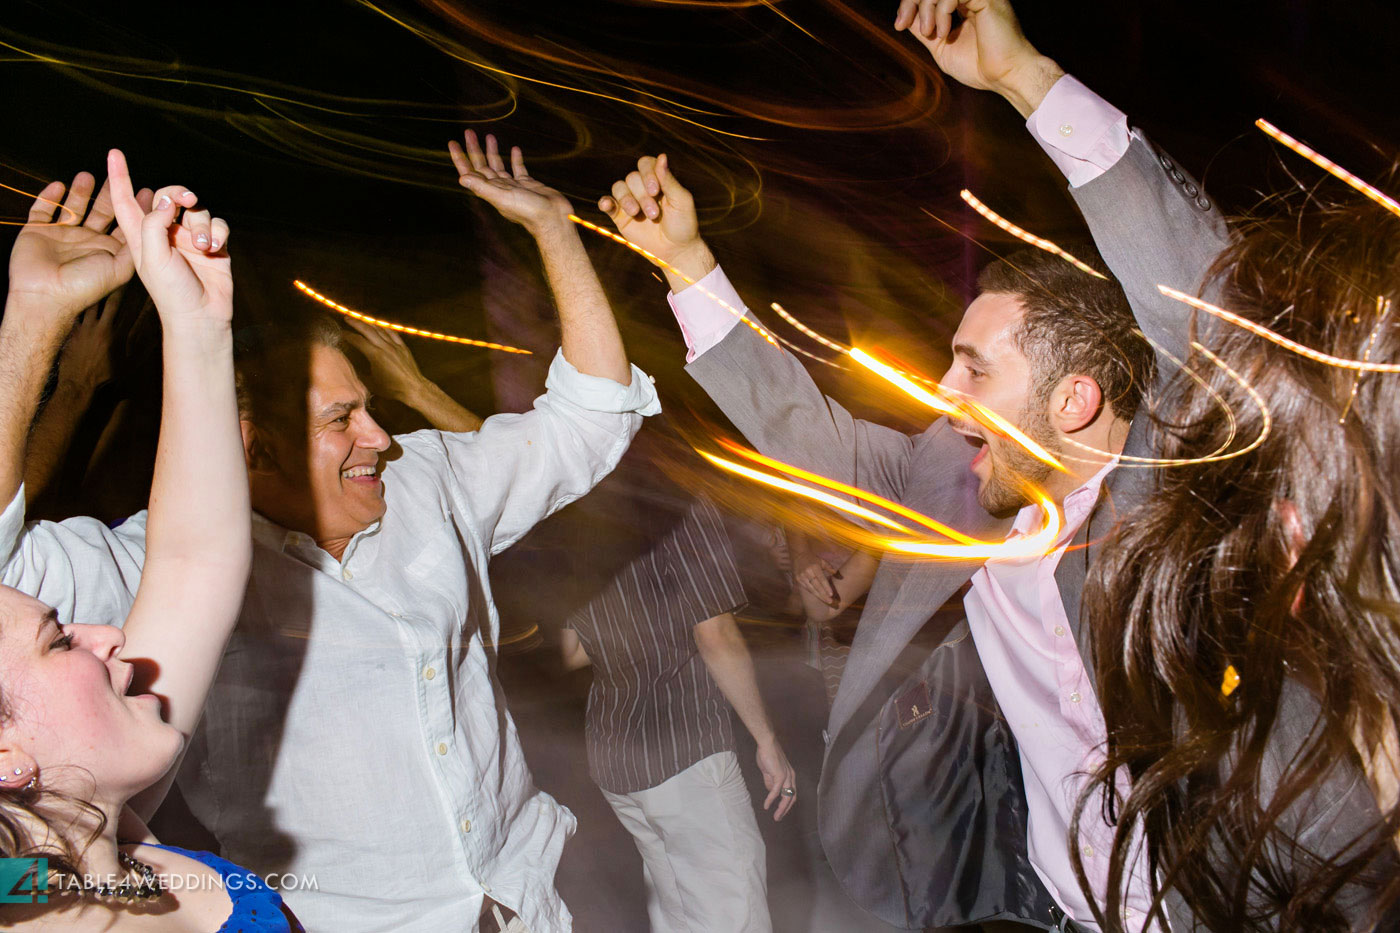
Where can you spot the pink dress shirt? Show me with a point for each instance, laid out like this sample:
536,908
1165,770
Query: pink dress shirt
1018,620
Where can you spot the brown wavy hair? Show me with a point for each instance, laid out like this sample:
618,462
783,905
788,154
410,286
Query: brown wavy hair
1214,573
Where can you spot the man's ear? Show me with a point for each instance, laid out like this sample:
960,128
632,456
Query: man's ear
1075,403
255,453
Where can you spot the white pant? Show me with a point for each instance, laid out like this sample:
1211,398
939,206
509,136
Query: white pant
702,855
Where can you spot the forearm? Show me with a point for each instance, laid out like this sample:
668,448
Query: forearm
198,531
441,410
588,331
27,351
727,657
53,433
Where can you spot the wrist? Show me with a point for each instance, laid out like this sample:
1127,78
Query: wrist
553,231
689,264
75,390
1025,85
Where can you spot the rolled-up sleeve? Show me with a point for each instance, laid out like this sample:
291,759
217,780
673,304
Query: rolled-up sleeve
519,468
85,570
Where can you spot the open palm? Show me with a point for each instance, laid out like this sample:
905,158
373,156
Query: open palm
512,192
69,264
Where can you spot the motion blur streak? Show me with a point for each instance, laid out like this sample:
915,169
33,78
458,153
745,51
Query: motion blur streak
311,293
1024,236
1276,338
1327,165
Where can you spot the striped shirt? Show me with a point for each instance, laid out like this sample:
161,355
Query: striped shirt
653,709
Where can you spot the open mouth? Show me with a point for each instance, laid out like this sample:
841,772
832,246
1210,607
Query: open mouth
979,442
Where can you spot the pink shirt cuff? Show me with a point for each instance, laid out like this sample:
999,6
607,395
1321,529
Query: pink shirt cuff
706,311
1081,132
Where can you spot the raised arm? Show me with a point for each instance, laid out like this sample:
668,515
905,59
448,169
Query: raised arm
588,331
198,533
518,468
1150,220
84,365
395,373
63,261
764,390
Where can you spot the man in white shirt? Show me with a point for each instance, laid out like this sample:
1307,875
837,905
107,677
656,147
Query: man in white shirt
356,737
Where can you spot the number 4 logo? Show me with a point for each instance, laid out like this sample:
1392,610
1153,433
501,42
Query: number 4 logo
24,880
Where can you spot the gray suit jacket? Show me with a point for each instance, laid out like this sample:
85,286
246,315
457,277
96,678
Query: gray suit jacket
1153,226
769,396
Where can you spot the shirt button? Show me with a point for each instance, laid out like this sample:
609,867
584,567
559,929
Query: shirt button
1128,914
466,826
1088,851
346,574
429,673
1066,129
442,748
486,887
1075,697
1060,631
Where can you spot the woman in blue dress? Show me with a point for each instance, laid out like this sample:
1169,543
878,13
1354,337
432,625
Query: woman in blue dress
76,747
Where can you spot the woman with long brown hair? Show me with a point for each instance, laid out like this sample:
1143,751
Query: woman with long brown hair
1246,623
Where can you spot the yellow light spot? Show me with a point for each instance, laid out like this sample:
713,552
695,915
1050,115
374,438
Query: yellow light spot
1230,681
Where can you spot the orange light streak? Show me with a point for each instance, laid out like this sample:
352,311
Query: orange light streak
1276,338
1023,235
817,495
619,238
401,328
956,406
914,544
803,328
1327,165
25,223
856,491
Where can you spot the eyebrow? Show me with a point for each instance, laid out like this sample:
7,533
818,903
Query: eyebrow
971,353
339,408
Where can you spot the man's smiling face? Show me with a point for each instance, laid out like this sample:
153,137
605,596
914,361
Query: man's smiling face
325,482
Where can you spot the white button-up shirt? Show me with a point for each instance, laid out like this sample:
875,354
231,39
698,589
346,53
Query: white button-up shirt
327,749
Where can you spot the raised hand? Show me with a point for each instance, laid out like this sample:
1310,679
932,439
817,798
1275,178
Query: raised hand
517,196
818,577
393,370
61,266
185,265
986,50
653,210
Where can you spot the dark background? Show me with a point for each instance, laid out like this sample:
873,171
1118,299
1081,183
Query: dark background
318,129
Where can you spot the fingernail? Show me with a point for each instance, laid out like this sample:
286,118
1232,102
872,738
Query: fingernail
215,246
164,203
201,239
187,193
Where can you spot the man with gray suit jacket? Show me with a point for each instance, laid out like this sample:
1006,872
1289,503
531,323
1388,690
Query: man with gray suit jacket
1052,350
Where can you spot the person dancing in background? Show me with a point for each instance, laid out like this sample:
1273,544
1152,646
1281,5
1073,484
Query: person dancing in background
75,743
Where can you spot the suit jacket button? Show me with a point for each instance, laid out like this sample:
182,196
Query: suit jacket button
1191,190
1177,177
826,737
1203,203
1166,163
